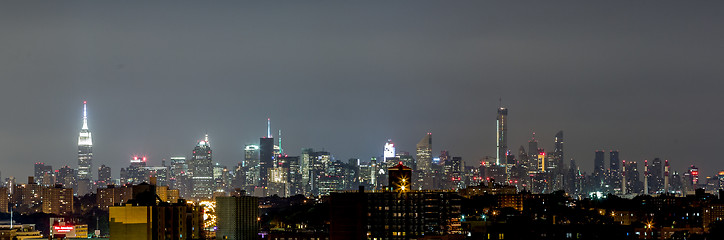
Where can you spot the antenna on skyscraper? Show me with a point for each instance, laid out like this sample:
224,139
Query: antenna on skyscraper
280,143
268,128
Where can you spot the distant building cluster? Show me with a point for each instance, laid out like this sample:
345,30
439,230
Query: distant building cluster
396,195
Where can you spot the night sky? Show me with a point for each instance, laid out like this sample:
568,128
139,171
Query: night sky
642,77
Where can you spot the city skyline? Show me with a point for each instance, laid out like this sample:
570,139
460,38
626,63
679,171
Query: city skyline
161,80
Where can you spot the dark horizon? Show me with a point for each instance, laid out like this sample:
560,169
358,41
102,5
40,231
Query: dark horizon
640,78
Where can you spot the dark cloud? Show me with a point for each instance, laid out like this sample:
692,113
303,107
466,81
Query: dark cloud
639,77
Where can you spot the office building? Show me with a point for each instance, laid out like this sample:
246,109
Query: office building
424,153
58,200
104,176
615,169
251,164
40,172
558,153
85,154
135,173
389,150
502,136
236,218
66,176
266,160
533,155
201,171
599,167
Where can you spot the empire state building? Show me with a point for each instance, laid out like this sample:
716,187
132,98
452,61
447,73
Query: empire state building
85,150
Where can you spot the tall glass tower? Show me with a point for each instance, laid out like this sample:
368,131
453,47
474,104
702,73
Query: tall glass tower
201,169
502,132
85,149
424,153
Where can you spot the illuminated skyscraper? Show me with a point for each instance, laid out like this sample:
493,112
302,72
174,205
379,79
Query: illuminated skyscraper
558,152
42,172
266,160
104,176
533,154
85,152
502,133
424,153
666,176
615,168
201,170
251,164
614,161
598,163
389,150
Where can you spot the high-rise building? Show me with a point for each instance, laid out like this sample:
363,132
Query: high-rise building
66,176
656,181
599,168
135,173
305,165
615,162
58,200
533,154
541,160
236,218
615,169
633,182
693,176
558,152
666,177
179,176
41,172
266,160
251,164
502,136
85,153
104,176
646,177
424,153
389,150
201,170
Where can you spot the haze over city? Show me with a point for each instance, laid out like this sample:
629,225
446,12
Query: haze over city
643,79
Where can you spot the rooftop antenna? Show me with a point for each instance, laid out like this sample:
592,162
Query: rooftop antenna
281,152
268,128
85,116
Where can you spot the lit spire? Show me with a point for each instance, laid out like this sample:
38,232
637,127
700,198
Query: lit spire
84,138
268,128
206,137
85,116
